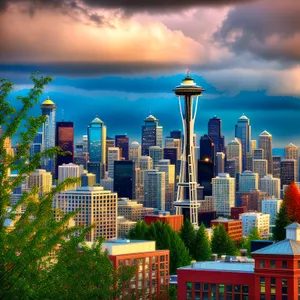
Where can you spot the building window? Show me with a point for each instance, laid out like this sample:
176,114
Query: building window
262,263
273,285
298,264
284,286
262,297
197,286
284,264
262,284
189,286
272,264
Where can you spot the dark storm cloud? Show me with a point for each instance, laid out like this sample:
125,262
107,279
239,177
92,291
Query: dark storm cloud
127,5
268,29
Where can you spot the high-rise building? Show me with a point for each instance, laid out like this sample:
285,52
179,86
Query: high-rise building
249,161
258,154
287,171
265,142
95,206
230,167
113,154
65,141
122,141
243,133
152,134
107,184
271,186
37,144
234,152
220,162
48,108
146,163
124,178
69,171
132,210
260,166
271,207
81,154
276,166
292,152
176,134
223,190
154,189
171,154
97,141
248,181
165,166
205,175
215,133
110,142
253,145
207,149
252,200
96,168
156,153
88,179
253,219
135,153
174,143
9,151
41,179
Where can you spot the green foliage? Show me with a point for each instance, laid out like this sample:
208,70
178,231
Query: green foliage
188,234
254,234
166,239
221,243
282,220
39,257
202,250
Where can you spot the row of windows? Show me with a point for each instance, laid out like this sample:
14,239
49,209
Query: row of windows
262,264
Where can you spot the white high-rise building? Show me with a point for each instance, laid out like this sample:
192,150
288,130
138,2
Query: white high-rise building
260,166
265,143
69,171
156,153
271,186
223,191
41,179
169,170
248,181
113,154
154,189
96,206
234,152
254,219
271,207
135,153
292,152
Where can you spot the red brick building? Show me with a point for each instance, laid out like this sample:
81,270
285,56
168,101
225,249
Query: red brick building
236,211
151,279
175,221
273,274
233,227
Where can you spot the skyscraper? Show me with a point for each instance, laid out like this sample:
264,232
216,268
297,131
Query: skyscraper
154,189
171,154
37,144
234,152
207,149
258,154
151,134
174,143
287,171
113,154
223,190
156,153
205,175
135,153
48,108
69,171
276,166
260,166
122,141
215,133
41,179
176,134
64,140
271,186
265,143
243,132
292,152
97,141
248,181
124,178
220,162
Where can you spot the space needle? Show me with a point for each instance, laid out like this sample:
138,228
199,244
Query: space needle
186,200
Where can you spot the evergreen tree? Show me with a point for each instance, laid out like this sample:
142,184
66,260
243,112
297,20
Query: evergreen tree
139,232
282,220
188,234
221,243
39,257
202,250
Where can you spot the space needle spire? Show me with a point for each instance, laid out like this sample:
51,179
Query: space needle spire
186,200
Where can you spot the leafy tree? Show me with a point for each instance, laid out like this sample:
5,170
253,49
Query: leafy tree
188,234
292,201
282,220
39,257
221,243
202,250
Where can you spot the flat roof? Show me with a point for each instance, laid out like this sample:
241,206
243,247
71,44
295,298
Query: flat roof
222,266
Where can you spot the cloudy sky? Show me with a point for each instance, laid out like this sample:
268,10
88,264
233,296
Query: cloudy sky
120,59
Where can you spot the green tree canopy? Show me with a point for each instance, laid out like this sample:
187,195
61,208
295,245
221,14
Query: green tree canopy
282,220
202,249
188,234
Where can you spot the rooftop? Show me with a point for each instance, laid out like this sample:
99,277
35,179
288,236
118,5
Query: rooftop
243,117
285,247
97,121
48,102
124,246
291,145
151,118
265,133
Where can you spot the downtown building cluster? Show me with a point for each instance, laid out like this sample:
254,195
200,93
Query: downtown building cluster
122,183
